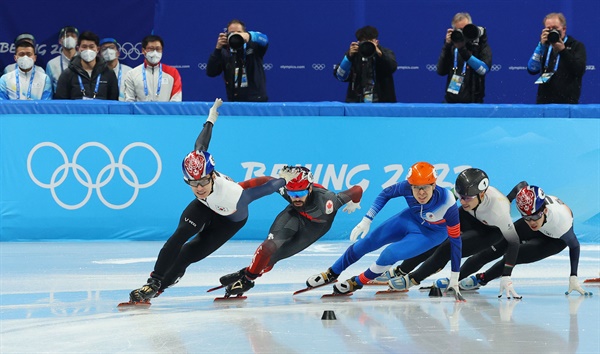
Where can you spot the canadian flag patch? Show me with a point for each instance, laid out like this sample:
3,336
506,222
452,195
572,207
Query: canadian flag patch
329,207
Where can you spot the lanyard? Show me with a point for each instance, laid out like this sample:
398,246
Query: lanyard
30,83
242,67
557,57
119,75
158,86
456,63
83,89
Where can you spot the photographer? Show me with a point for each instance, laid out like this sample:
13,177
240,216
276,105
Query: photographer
239,56
368,68
560,60
466,58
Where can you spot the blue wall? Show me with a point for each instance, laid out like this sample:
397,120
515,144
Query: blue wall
105,171
308,37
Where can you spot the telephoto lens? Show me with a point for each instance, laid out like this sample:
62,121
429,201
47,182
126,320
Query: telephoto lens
553,36
457,36
366,49
235,40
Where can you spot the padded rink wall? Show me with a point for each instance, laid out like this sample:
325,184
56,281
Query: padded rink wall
112,170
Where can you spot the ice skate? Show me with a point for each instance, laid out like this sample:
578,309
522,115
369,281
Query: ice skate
389,274
347,287
469,283
232,277
400,283
239,287
321,279
146,292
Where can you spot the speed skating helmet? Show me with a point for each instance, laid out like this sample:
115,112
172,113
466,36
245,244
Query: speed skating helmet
530,200
471,182
421,173
197,164
302,181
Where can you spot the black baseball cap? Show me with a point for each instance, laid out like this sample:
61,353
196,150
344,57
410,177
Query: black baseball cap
68,29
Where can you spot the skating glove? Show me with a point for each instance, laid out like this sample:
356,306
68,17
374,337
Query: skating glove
360,230
351,207
507,284
574,285
453,286
288,173
213,114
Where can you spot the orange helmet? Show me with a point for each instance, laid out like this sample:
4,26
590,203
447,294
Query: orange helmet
421,173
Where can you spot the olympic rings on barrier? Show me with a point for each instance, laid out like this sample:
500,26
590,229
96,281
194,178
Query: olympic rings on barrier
131,50
86,181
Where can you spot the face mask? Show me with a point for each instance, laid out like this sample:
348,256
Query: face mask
88,55
109,54
153,57
69,42
25,63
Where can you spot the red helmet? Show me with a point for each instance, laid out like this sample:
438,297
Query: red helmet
197,164
530,200
302,181
421,173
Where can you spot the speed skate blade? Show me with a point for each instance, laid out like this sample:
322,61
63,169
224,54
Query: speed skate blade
133,305
334,295
229,298
391,292
311,288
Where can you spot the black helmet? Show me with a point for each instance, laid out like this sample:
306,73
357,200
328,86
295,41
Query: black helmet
471,182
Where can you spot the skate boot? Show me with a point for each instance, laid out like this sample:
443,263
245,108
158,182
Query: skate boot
348,286
240,286
146,292
322,278
473,282
401,283
228,279
393,272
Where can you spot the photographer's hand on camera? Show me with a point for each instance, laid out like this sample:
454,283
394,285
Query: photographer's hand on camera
448,38
222,40
557,46
353,49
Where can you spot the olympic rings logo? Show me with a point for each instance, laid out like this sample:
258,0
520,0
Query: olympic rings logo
431,67
202,66
86,181
318,66
131,50
267,66
496,67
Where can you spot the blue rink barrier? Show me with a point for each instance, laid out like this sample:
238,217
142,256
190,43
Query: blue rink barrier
112,170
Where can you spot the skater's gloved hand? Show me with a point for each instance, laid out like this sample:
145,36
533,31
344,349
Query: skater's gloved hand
351,207
507,284
288,173
574,285
453,286
213,114
360,230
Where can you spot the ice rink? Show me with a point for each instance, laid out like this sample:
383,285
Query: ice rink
62,297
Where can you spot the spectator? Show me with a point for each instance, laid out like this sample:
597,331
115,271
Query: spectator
26,82
31,39
110,49
67,38
368,68
561,60
87,77
239,56
466,58
152,80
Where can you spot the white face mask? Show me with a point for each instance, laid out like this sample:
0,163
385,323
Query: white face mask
153,57
109,54
88,55
69,42
25,63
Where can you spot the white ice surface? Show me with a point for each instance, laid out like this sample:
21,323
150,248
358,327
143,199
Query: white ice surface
61,298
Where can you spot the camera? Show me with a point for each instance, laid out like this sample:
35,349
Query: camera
469,33
553,36
366,49
235,41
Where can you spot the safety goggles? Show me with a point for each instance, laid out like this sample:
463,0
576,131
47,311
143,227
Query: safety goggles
425,187
534,217
204,181
298,194
467,198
